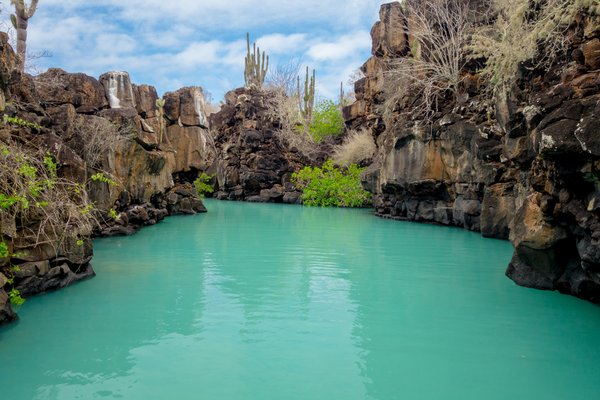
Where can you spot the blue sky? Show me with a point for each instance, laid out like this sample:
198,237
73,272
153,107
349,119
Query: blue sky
176,43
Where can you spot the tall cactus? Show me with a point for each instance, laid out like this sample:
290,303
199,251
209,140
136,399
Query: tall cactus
255,70
20,19
306,100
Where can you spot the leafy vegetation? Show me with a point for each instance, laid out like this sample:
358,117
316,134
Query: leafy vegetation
16,121
43,208
327,120
331,186
14,294
202,184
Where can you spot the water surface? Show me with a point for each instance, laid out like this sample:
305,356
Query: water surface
282,302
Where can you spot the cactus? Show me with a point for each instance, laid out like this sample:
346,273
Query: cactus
20,20
306,101
255,70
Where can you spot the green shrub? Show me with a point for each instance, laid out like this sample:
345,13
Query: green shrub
202,184
327,120
331,186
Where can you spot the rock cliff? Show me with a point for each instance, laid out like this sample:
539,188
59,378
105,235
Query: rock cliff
526,170
254,163
148,156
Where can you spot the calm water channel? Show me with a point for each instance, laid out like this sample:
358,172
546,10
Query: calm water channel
282,302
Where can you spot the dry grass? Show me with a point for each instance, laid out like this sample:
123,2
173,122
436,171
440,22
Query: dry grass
525,31
98,136
439,32
284,76
45,208
357,148
284,108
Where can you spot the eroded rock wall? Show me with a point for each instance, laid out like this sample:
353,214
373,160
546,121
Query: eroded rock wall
528,170
120,125
253,162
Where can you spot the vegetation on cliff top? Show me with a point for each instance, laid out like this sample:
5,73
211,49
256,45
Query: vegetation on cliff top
447,39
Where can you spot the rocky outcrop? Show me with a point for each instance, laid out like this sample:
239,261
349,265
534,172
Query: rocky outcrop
186,107
253,163
527,171
91,125
81,91
118,89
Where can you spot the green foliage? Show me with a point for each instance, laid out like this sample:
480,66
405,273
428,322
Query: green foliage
15,297
202,184
45,208
331,186
327,120
4,250
101,177
7,202
16,121
112,213
14,294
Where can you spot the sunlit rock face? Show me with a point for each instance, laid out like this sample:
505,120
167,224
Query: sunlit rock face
118,88
186,107
83,92
150,159
528,171
145,100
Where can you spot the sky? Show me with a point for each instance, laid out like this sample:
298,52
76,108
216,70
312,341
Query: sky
174,43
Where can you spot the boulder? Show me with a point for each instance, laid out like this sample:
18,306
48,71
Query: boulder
57,86
145,100
389,33
591,53
7,314
118,89
187,107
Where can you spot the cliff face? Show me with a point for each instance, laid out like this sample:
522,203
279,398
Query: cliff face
254,163
89,126
527,170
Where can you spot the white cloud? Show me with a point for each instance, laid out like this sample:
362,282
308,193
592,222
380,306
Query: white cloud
115,43
278,43
192,42
342,47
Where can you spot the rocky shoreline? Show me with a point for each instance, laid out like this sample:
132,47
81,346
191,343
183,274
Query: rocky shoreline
149,154
524,167
526,171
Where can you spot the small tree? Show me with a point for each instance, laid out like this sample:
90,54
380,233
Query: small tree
327,120
20,20
283,77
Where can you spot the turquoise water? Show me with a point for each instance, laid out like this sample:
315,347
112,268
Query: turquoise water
282,302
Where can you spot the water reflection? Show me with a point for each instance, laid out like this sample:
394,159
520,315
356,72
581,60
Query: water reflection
271,302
